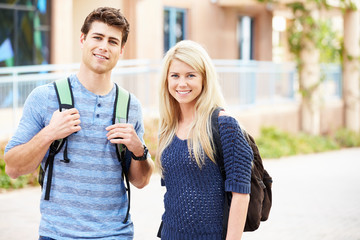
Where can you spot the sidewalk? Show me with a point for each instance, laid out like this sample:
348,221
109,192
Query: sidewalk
315,197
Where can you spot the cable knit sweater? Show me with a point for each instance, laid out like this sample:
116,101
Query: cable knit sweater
194,196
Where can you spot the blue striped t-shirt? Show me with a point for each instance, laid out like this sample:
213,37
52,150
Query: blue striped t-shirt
88,198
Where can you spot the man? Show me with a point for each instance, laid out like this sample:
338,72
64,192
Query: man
88,198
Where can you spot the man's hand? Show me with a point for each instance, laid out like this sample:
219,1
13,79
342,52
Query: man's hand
25,158
140,171
64,123
125,133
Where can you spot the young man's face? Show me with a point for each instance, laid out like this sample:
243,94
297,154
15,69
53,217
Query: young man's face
101,47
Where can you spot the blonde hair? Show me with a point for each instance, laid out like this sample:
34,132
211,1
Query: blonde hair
210,97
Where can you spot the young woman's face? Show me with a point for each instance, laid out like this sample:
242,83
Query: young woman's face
184,83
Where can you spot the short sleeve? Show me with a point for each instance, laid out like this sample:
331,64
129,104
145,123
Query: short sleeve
33,119
237,154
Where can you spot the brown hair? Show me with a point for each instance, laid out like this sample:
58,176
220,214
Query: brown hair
110,16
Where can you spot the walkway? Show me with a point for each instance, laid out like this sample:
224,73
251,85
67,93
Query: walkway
315,197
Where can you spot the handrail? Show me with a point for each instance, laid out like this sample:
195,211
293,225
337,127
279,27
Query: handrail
244,83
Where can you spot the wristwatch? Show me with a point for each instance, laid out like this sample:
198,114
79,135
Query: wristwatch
143,157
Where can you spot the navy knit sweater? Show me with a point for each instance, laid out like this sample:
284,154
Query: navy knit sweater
194,196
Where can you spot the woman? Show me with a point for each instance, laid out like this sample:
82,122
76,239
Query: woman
194,198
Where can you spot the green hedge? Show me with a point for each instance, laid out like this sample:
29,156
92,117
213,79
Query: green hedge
6,182
272,143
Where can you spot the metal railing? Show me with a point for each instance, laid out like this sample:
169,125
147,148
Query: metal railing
244,84
249,83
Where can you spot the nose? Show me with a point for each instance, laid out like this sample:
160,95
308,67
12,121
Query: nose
103,46
182,82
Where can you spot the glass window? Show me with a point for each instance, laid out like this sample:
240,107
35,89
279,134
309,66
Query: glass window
179,27
174,26
166,30
24,32
6,30
245,38
24,2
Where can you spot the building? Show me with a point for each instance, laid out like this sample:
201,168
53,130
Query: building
48,31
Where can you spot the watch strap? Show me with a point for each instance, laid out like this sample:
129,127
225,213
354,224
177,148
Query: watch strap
141,158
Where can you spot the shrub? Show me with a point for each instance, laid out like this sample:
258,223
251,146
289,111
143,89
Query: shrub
347,138
6,182
151,134
274,143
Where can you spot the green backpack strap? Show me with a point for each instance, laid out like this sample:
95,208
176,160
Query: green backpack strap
64,94
121,111
66,101
122,105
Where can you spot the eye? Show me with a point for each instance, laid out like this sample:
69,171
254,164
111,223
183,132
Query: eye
174,75
113,42
97,38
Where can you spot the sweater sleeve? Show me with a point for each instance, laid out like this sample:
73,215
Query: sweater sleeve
238,156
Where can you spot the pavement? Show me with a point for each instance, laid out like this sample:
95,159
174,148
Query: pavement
315,197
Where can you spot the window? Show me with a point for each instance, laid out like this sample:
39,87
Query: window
245,38
174,26
24,32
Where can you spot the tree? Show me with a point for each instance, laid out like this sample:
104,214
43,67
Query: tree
308,37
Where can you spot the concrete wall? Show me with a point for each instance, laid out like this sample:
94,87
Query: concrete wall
212,25
285,117
61,32
332,116
67,19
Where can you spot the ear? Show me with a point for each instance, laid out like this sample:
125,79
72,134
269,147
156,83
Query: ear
122,50
82,39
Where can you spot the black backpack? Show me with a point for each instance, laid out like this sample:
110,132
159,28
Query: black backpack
66,101
261,182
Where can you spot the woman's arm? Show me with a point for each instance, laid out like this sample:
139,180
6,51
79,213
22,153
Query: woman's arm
237,215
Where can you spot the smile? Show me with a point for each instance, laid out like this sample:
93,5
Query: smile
183,92
100,56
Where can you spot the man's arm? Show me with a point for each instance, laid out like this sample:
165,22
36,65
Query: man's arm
25,158
140,171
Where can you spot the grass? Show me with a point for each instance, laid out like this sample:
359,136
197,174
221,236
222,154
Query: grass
272,143
6,182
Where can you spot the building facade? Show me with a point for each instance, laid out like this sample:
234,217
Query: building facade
48,31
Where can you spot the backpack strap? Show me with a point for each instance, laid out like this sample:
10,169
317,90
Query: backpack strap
217,141
120,115
66,101
64,94
219,158
121,110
